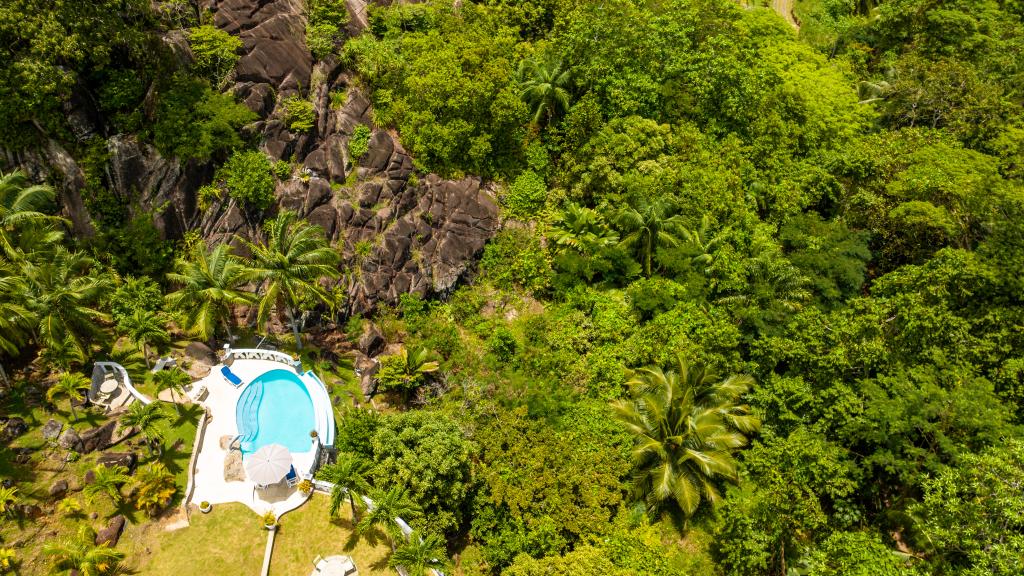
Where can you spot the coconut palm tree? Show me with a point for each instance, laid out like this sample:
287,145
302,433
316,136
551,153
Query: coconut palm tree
210,285
146,417
647,227
70,385
289,267
420,554
81,555
21,208
348,474
63,293
174,380
143,328
107,482
387,506
686,423
152,488
544,86
701,244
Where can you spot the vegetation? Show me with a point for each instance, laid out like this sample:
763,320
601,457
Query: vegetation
753,309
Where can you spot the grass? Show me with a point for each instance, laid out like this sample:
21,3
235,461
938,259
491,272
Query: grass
230,540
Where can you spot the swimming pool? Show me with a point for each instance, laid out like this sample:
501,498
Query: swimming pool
275,408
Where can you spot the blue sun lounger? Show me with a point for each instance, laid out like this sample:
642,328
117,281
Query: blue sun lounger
231,377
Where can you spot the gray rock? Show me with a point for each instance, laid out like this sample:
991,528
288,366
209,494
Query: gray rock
372,341
52,429
69,440
99,438
30,511
58,489
111,459
111,533
89,477
200,352
12,428
233,470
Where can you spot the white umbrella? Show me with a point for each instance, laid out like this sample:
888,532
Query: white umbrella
268,464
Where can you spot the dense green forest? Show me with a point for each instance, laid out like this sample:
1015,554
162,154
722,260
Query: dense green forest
754,307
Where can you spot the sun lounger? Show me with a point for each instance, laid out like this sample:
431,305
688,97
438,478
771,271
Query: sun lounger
231,377
292,477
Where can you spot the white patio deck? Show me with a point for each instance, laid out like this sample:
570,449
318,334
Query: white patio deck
208,477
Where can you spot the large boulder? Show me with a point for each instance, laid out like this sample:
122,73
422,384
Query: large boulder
372,342
52,429
111,459
111,533
58,489
233,469
12,428
200,352
69,440
99,438
273,35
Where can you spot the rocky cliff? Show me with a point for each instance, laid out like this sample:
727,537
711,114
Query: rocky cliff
399,231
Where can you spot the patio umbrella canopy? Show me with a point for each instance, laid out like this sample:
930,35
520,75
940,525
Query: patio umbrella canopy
269,464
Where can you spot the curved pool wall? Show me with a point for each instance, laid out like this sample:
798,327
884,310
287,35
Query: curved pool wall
282,407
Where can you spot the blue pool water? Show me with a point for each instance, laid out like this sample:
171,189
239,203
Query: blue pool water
275,408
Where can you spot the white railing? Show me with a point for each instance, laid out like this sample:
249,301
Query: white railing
126,380
258,354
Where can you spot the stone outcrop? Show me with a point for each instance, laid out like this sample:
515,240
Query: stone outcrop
58,489
11,428
69,440
111,459
99,438
52,429
111,533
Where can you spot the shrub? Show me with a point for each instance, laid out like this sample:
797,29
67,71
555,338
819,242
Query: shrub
299,114
247,177
320,39
193,121
359,142
283,169
215,52
526,196
515,259
502,344
135,294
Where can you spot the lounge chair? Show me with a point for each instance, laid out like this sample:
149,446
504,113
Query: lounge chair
231,377
292,477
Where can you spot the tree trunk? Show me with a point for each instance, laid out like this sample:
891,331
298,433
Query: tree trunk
3,375
71,404
145,354
295,329
352,501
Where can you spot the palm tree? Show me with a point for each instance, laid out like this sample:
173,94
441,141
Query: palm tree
174,379
290,265
8,499
419,554
63,292
144,327
70,385
153,486
210,284
543,85
582,229
107,481
81,555
21,205
348,474
145,417
647,228
16,320
700,243
387,506
686,423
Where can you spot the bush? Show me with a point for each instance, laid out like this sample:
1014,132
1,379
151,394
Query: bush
215,51
320,38
502,344
283,170
526,196
193,121
359,143
299,114
248,179
515,259
135,294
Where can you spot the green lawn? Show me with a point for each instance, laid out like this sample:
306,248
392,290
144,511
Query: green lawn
230,540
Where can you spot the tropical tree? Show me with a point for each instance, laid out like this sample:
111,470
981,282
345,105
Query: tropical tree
16,320
544,86
394,503
63,292
107,482
152,488
80,555
21,208
406,370
210,285
348,474
420,554
143,328
687,422
700,244
173,379
146,417
647,227
289,266
70,385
